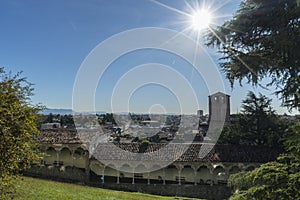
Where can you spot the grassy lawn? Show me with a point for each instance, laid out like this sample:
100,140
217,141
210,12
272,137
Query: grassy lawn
32,188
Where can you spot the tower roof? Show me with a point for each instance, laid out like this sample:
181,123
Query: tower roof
219,93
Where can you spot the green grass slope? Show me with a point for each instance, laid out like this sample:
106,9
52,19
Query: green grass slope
32,188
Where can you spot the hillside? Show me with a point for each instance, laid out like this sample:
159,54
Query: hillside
32,188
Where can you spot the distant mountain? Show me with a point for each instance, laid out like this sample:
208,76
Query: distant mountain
63,111
60,111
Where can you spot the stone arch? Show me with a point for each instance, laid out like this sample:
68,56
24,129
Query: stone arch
219,175
126,174
203,174
50,156
171,172
110,173
218,166
79,152
141,169
126,168
157,176
65,156
205,165
156,166
50,148
111,165
187,174
141,174
79,157
96,170
96,166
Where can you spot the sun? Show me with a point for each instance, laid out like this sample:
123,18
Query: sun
200,19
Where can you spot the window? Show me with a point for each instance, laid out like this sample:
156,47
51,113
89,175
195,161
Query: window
223,99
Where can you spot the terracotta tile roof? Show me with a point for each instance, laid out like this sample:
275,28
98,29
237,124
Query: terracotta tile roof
166,152
188,152
59,136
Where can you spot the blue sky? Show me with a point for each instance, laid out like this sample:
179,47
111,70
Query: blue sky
49,40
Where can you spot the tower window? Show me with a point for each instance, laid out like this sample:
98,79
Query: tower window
223,99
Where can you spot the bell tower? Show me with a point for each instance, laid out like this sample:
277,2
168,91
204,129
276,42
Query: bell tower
219,107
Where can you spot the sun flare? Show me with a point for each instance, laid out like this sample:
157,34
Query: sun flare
200,19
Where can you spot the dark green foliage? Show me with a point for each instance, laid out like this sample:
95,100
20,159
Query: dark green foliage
106,118
262,40
17,130
64,120
258,121
67,120
231,134
256,125
274,180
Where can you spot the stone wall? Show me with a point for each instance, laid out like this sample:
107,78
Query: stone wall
76,175
61,173
194,191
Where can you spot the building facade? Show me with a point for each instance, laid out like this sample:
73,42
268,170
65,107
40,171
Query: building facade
67,158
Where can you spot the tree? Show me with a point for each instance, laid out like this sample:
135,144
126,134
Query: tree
274,180
17,130
259,124
262,40
256,125
231,134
